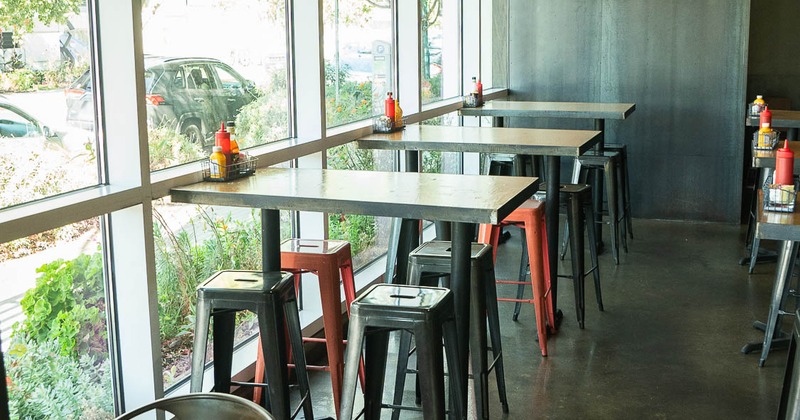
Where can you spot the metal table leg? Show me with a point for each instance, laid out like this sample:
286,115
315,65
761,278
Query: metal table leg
782,276
277,371
460,286
551,223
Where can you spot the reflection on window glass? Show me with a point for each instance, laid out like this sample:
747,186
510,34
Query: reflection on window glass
46,132
211,62
53,325
440,50
193,242
358,58
368,235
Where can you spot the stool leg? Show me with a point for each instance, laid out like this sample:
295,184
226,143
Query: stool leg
349,285
391,253
534,239
402,368
224,324
355,340
271,321
414,278
754,254
626,193
622,213
477,345
590,228
332,323
523,268
458,386
296,339
431,371
493,315
377,344
576,251
611,186
202,313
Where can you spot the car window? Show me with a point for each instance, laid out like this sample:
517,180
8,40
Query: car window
13,124
198,77
227,79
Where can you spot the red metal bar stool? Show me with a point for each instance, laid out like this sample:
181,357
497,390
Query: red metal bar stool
328,259
529,216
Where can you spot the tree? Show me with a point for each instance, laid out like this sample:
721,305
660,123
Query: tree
21,15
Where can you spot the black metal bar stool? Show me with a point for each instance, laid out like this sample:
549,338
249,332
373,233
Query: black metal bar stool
608,162
513,165
624,182
272,297
426,265
580,214
426,311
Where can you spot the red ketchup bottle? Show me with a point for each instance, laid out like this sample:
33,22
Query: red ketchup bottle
766,119
784,165
389,106
222,139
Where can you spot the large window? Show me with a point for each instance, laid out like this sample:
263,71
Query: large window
76,154
46,118
358,59
209,62
53,324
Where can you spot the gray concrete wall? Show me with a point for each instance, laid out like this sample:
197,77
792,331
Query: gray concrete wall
683,62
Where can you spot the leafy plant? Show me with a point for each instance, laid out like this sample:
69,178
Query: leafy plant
168,148
47,384
345,100
65,306
267,118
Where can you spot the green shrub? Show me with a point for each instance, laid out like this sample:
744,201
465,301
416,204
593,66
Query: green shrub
265,119
352,101
168,148
46,384
64,306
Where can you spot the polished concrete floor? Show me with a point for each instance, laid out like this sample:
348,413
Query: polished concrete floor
678,308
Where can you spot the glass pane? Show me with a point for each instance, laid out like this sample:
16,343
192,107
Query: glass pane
368,235
192,242
442,162
358,59
440,50
46,111
53,325
494,44
211,62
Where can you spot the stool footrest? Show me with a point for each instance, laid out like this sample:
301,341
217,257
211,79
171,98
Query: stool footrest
402,407
252,384
511,282
312,367
516,300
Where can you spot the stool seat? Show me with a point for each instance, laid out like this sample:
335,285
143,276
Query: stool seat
272,297
426,311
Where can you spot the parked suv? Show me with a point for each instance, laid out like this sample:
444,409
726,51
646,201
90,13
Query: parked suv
191,95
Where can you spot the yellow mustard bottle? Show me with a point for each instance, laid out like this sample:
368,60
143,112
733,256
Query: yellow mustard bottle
218,163
398,114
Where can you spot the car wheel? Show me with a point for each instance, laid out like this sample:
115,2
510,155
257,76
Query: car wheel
193,133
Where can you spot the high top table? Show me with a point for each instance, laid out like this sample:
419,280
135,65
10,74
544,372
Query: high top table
597,111
550,143
462,199
780,119
783,227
